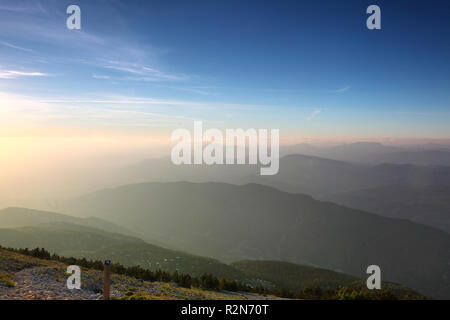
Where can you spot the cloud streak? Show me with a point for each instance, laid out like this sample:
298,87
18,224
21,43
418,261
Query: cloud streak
342,90
31,7
143,72
314,114
7,44
100,76
14,74
27,110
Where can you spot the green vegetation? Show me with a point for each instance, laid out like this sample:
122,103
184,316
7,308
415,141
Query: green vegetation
294,277
6,279
46,280
206,281
210,282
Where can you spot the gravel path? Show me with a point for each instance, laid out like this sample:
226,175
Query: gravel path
49,283
39,283
28,278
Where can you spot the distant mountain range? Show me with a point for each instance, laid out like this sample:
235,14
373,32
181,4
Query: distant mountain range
374,153
352,152
231,222
298,173
320,177
311,175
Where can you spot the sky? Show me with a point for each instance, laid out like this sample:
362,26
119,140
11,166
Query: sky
310,68
139,69
112,93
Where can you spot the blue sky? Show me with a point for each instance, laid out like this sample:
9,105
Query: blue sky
310,68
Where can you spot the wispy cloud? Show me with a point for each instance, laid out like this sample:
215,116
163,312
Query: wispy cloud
341,90
314,114
10,45
198,90
109,110
35,6
417,113
100,76
33,110
113,57
143,72
13,74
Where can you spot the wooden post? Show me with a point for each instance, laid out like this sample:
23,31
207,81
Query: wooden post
106,280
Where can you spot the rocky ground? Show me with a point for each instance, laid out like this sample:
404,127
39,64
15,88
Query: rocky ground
40,283
27,278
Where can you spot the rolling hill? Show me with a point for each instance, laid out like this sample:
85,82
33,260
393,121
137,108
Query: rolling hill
72,240
429,205
38,275
90,243
23,217
230,223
